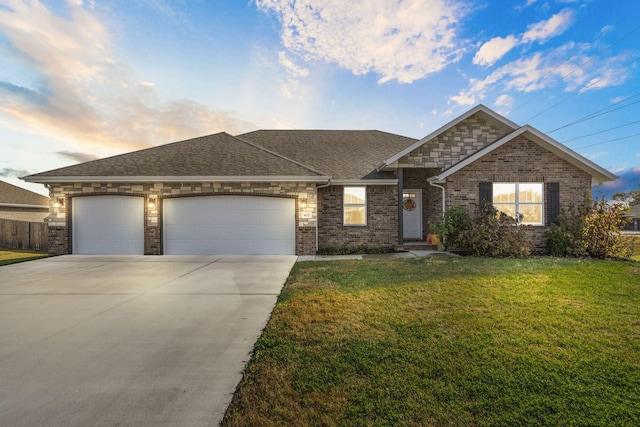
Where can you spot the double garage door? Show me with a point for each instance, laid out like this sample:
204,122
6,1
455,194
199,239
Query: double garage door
190,225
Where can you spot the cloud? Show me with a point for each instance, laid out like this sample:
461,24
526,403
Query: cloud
77,156
504,101
82,92
497,47
549,68
552,27
294,69
7,172
494,49
403,41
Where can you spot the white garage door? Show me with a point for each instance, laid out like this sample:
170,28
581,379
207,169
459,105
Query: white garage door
107,225
229,225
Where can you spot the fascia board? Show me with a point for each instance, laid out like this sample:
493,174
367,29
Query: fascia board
67,179
364,182
18,205
598,173
452,123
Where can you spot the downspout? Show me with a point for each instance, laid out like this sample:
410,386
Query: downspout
318,210
443,193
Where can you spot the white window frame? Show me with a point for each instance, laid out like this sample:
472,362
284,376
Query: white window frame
351,205
518,203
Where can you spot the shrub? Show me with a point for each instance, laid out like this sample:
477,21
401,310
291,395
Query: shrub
590,230
496,235
451,225
486,233
359,250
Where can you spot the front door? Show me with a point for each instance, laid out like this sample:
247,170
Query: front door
412,214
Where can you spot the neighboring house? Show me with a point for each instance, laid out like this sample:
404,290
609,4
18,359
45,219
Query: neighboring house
22,205
634,219
294,191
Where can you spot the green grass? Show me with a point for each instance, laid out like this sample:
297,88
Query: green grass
12,256
448,342
635,246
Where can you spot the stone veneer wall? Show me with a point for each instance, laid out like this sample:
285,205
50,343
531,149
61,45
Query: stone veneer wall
59,221
455,144
520,160
382,218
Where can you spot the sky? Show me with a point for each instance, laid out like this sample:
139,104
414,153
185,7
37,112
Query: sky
81,80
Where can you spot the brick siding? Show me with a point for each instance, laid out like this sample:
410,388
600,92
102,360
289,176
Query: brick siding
382,219
59,220
520,160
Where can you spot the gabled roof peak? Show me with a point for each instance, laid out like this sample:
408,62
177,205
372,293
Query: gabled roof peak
482,111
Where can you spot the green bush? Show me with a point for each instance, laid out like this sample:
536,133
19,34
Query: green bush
359,250
496,235
451,225
590,230
486,233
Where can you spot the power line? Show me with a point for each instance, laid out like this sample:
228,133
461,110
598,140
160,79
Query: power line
595,114
583,89
606,142
602,131
579,66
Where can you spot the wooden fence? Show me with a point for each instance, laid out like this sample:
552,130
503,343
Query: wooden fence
23,235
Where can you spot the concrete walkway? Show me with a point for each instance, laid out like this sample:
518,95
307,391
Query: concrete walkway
130,340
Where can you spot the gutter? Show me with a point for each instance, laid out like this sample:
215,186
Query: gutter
194,178
18,205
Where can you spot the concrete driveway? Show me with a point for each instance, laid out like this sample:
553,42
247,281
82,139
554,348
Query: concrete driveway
130,340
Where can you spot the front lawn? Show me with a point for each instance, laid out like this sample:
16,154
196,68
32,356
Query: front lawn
448,341
11,256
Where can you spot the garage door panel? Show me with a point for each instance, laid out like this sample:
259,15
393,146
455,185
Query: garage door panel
107,225
229,225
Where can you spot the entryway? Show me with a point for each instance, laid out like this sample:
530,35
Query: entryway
412,214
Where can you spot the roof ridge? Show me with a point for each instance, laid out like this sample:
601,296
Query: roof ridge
280,156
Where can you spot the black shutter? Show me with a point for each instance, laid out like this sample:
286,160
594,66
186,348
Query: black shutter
553,201
486,194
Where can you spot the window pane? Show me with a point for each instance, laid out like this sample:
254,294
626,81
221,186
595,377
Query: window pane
354,215
530,193
508,209
532,214
355,195
504,193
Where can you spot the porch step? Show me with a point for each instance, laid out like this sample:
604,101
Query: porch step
415,246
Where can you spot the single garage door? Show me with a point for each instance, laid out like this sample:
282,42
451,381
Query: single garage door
229,225
107,225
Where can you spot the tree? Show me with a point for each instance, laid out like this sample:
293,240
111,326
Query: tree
632,197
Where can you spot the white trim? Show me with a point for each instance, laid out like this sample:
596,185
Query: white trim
597,173
365,205
452,123
204,178
18,205
364,182
517,203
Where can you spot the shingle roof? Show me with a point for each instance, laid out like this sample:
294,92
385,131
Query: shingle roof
214,155
11,194
342,154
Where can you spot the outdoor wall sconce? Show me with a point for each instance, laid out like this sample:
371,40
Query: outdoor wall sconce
151,204
303,203
59,202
